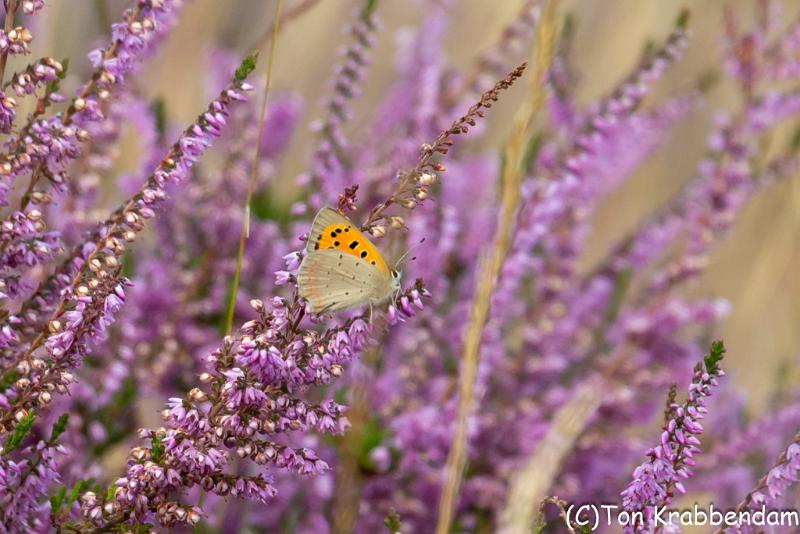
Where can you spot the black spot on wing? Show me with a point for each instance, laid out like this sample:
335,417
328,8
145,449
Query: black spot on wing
333,233
353,245
363,254
336,243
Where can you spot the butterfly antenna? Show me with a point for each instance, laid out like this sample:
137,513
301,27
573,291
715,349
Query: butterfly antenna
406,253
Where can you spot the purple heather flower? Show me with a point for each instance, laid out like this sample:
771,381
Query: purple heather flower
780,477
23,485
15,41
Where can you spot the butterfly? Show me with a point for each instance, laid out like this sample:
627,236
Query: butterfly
342,269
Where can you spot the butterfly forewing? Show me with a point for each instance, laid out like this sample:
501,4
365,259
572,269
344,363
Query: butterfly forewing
331,230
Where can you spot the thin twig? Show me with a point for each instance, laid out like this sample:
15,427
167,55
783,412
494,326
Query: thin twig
11,9
288,15
408,180
251,184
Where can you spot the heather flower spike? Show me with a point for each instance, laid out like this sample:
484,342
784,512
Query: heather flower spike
657,481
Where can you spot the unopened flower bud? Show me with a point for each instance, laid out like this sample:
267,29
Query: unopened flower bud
197,394
22,383
397,222
378,230
427,178
23,367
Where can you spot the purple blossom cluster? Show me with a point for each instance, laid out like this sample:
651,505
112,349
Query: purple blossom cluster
113,288
656,480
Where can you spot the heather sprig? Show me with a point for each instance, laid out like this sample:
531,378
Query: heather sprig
96,290
330,161
44,147
26,476
669,463
771,488
15,40
412,187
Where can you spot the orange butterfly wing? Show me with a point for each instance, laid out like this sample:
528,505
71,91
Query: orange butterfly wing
331,230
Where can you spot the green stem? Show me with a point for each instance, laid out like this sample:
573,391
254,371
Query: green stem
245,233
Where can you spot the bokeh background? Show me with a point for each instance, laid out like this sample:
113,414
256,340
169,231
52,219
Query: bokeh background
758,267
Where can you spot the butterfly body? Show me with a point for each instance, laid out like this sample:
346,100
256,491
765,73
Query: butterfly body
342,269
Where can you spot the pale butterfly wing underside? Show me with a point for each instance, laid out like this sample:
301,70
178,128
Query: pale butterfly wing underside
331,281
342,268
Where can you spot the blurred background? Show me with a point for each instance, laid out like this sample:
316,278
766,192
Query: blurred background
757,269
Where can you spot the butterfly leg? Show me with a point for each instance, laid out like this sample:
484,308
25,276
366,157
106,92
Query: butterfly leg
370,314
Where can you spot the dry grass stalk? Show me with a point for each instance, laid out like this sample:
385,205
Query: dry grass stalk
530,485
511,178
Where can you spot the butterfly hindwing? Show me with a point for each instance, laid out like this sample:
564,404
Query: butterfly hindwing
331,280
331,230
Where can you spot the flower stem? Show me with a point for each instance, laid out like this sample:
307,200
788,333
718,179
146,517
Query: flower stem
245,232
11,9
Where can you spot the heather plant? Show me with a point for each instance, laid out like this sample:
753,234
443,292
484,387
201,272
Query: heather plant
160,371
